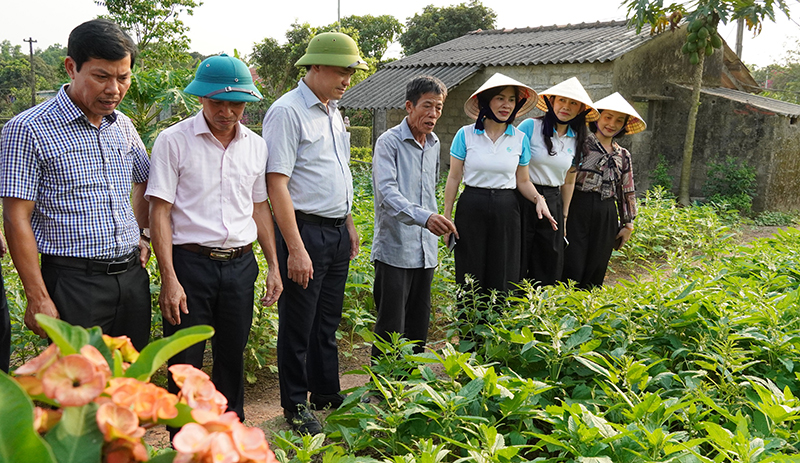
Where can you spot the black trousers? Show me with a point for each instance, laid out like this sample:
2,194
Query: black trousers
592,228
489,230
219,294
308,357
543,247
5,329
119,304
403,301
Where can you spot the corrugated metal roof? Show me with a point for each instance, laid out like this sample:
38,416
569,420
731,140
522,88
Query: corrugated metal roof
387,88
782,108
581,43
458,59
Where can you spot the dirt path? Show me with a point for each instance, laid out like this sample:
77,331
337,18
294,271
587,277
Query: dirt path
262,399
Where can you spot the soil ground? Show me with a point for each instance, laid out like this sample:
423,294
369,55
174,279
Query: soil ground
262,399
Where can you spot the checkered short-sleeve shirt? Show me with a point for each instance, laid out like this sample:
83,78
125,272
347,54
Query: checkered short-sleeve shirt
78,175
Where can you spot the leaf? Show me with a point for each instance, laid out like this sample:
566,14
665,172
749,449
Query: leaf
158,352
594,460
166,457
68,338
19,442
76,438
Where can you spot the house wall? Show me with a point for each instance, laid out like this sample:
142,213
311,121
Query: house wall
764,140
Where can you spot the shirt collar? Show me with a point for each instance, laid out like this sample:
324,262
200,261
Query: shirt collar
509,130
311,99
201,127
72,112
570,132
405,132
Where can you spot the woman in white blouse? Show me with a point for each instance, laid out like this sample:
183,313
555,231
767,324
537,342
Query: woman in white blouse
491,157
555,138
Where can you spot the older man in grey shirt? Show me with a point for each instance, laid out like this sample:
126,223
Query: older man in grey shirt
405,166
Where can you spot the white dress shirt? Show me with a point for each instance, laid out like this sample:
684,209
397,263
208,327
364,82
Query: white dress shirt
212,189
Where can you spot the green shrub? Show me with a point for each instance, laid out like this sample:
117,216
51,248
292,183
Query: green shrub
775,219
660,176
360,137
361,154
731,184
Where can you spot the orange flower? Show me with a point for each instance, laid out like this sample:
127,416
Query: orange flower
44,419
222,449
199,393
192,439
31,384
250,443
97,359
124,451
117,422
148,401
72,381
182,371
123,344
38,364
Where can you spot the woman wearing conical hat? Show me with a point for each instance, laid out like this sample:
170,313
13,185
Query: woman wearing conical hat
555,138
491,156
603,204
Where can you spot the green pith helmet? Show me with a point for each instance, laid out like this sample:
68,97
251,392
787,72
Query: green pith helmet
333,49
225,78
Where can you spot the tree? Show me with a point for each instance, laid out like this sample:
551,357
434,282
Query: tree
155,26
703,17
375,33
438,25
15,71
275,62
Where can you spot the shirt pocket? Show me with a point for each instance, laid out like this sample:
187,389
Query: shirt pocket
342,141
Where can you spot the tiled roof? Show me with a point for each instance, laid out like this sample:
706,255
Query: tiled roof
581,43
766,105
387,88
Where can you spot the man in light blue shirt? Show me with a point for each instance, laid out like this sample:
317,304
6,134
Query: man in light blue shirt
405,168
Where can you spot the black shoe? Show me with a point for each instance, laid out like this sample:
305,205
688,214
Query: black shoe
327,401
303,421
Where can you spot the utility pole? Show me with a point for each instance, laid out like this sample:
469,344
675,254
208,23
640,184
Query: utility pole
33,73
339,15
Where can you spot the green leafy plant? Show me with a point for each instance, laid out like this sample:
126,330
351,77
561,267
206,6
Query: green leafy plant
660,177
731,184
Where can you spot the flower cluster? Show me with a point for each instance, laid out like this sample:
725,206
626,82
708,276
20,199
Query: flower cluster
126,406
217,436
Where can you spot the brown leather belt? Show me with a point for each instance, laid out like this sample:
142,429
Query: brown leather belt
223,254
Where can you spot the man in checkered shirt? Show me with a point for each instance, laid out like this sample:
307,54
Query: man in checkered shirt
67,167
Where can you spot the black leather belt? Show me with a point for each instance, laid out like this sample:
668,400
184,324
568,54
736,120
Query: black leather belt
96,266
310,218
223,254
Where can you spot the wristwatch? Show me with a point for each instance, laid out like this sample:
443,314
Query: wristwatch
145,233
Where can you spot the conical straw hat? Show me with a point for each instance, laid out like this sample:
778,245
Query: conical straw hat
472,108
570,88
615,102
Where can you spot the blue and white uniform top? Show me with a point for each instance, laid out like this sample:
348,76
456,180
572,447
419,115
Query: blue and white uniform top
545,169
488,164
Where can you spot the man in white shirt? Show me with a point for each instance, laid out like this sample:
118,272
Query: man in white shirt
208,203
311,191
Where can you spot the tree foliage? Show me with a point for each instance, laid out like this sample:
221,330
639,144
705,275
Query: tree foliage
275,62
15,74
375,33
155,26
698,14
438,25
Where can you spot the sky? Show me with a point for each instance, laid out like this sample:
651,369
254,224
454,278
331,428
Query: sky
224,25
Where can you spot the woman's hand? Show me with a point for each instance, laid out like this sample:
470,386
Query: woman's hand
623,236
